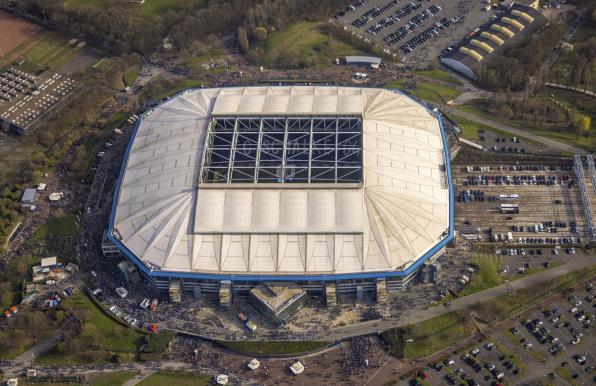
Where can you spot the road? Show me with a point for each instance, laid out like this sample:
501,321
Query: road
417,316
512,130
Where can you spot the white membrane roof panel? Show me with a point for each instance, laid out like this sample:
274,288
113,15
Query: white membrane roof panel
397,214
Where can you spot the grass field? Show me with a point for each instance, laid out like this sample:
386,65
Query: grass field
49,50
150,7
106,379
427,91
131,75
568,137
100,332
303,44
487,273
176,378
435,334
62,227
439,75
274,347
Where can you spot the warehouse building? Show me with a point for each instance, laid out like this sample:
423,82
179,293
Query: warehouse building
335,189
506,30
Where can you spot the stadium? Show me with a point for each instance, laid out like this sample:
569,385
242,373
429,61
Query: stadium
334,189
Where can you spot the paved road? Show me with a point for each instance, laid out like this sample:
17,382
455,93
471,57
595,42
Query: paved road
34,352
512,130
417,316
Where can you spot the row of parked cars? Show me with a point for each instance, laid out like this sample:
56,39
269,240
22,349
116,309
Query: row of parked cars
403,31
430,32
519,168
372,13
120,314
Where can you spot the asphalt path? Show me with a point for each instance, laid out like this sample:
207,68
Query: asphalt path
416,316
512,130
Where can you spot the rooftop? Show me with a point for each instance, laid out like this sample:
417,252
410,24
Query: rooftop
277,203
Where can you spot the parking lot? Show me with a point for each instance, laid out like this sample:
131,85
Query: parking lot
526,205
24,97
552,342
419,31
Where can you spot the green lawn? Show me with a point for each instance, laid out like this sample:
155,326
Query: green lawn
274,347
487,273
61,227
434,334
100,333
169,87
427,91
439,75
561,136
150,7
106,379
114,379
131,75
425,338
303,44
176,378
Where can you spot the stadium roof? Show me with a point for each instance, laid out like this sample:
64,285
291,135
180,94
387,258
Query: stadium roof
390,216
506,30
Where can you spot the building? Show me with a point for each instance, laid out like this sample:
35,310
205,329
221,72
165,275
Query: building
367,61
506,30
108,248
29,197
277,301
227,188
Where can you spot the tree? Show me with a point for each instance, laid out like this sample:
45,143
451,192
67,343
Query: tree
260,33
243,40
582,125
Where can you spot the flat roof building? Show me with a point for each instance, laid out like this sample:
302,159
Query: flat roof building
304,184
368,61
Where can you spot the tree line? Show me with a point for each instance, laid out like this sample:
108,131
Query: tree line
119,27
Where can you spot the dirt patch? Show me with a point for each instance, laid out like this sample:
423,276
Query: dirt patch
15,31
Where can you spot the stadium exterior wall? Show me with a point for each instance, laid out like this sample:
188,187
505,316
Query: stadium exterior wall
403,276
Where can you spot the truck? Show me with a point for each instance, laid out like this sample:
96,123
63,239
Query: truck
509,237
154,304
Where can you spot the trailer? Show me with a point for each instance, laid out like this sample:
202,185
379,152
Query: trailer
508,197
509,208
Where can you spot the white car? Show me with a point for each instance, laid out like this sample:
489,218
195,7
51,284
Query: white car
527,345
475,352
581,318
577,303
575,340
113,309
574,309
132,321
581,359
50,282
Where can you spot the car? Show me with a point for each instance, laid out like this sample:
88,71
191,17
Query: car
489,345
575,340
580,359
50,282
475,352
573,310
448,362
577,303
527,345
459,371
438,366
581,317
113,309
490,367
93,274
